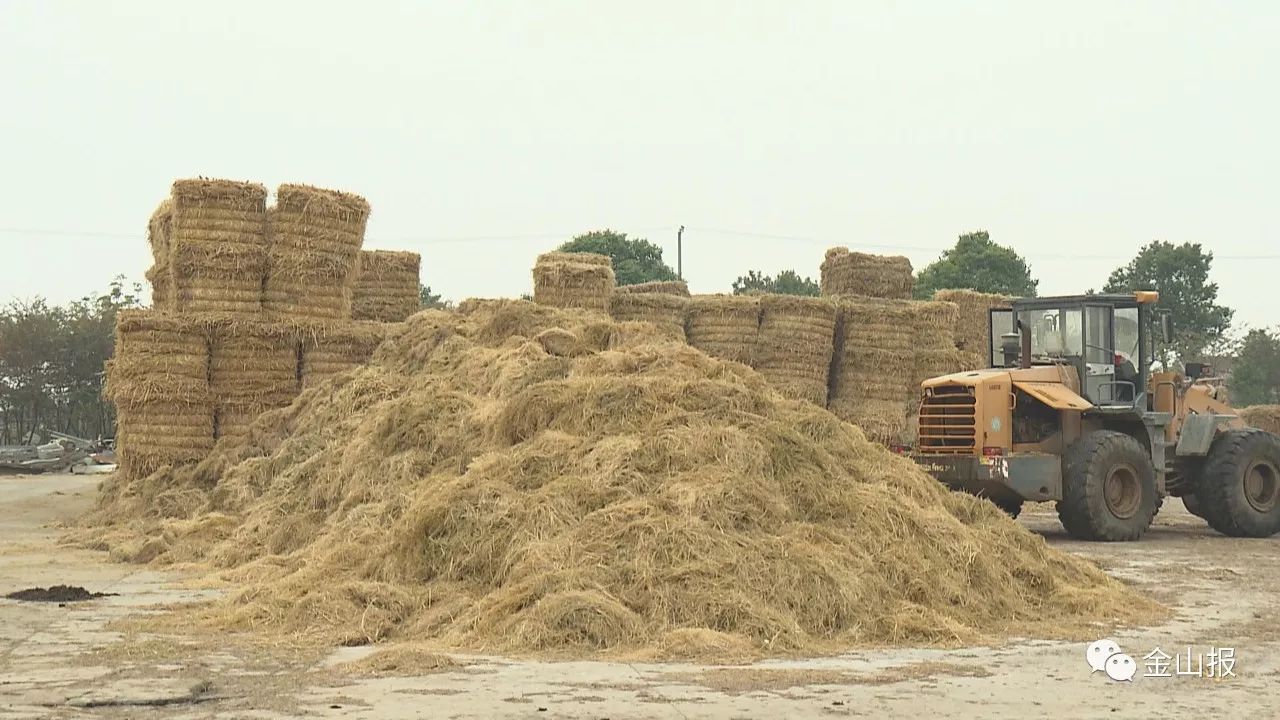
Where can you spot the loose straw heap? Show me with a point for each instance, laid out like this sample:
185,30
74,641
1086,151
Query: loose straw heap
387,286
218,246
472,490
876,276
315,239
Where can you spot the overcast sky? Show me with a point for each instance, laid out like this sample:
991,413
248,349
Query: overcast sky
484,133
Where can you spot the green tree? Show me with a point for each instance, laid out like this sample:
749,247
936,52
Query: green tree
788,282
1255,374
51,364
977,263
635,260
1180,273
432,300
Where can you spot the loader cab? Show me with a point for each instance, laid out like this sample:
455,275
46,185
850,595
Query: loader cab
1105,338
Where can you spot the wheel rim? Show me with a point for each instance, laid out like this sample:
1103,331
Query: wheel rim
1122,491
1262,486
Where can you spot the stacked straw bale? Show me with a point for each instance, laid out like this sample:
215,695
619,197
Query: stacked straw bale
667,312
725,326
666,287
796,342
873,366
875,276
314,254
971,330
218,246
253,367
1263,417
159,232
158,380
573,280
334,348
386,288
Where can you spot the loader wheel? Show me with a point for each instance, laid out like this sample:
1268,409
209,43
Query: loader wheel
1012,508
1108,488
1239,486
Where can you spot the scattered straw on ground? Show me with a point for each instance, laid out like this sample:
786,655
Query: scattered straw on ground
517,479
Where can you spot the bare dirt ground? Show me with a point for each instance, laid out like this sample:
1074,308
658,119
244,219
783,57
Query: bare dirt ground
84,659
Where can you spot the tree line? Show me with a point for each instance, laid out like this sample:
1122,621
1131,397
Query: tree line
51,365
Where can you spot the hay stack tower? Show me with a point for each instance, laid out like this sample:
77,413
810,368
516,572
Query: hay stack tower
386,287
159,383
725,326
876,276
573,280
795,345
315,239
874,362
217,247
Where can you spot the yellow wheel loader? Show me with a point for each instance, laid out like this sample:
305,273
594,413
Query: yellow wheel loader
1071,411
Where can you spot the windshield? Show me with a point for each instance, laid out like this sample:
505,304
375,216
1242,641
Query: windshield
1127,334
1055,333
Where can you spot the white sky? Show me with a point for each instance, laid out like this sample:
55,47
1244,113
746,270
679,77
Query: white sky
484,133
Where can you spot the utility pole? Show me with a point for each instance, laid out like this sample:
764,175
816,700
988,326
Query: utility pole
680,253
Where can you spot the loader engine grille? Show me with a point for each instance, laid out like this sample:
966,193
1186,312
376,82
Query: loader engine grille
948,421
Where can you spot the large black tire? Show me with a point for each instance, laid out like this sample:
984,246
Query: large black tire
1239,485
1108,488
1192,502
1012,508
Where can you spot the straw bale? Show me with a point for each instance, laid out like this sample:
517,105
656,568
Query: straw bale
333,348
873,363
158,381
584,258
725,326
469,490
314,248
218,246
972,331
667,312
665,287
795,345
934,323
387,286
253,367
1263,417
854,273
573,280
160,275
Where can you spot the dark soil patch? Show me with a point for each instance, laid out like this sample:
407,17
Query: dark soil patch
57,593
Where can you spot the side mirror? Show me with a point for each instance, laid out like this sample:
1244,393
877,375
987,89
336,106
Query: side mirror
1166,328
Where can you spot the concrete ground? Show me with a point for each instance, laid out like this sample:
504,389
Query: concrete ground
64,661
